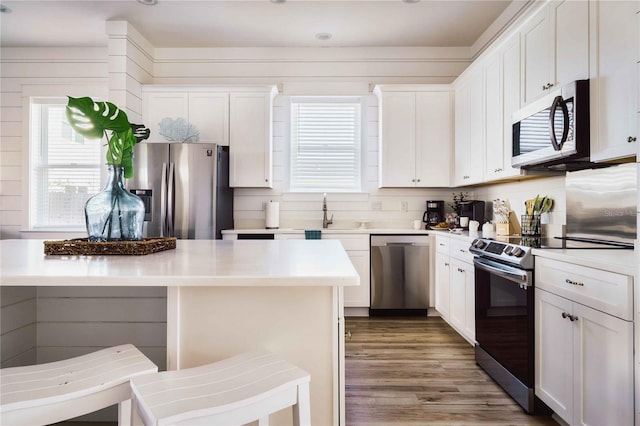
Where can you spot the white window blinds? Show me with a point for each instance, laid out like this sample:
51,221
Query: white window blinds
65,167
325,145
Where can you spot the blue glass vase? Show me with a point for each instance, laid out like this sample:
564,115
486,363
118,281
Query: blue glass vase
114,214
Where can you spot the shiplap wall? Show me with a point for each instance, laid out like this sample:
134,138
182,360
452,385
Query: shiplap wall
17,326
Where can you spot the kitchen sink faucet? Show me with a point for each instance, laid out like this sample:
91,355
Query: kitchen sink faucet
325,222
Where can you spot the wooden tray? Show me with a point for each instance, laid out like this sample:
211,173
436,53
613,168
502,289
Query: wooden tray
82,246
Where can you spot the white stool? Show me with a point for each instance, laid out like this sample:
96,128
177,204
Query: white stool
48,393
234,391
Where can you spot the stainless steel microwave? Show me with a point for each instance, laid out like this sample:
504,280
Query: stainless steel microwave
553,132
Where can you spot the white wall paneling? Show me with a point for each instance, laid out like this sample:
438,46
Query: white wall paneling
17,326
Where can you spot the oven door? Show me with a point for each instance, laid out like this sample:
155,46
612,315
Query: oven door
504,316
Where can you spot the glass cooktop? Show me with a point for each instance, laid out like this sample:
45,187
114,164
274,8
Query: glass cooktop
563,242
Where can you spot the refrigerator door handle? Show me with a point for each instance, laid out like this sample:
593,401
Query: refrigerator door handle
170,200
163,200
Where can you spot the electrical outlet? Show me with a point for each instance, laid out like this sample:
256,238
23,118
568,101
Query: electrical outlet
404,206
376,205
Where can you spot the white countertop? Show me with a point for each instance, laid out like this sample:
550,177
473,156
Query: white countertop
329,231
192,263
619,261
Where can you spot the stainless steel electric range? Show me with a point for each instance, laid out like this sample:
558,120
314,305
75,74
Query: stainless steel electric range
504,310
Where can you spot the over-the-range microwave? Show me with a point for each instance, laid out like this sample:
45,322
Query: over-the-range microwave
553,132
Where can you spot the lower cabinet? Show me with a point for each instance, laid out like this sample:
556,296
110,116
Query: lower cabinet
455,285
584,361
359,297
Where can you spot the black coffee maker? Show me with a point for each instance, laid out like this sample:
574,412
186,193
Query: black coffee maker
434,213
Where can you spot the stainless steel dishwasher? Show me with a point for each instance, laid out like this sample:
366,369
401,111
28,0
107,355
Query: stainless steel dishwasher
399,275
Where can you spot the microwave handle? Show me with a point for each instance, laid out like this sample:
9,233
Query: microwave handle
558,101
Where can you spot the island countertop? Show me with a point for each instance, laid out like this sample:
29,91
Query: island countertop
192,263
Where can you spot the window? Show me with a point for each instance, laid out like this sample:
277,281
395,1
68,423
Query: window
65,167
325,144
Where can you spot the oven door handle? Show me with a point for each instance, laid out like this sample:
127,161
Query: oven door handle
520,276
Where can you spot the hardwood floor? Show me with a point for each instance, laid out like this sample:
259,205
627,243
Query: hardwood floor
419,371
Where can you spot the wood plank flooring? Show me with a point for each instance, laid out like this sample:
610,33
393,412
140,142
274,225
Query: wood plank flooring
419,371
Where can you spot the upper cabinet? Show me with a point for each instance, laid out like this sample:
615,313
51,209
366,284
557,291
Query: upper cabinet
555,47
614,83
250,138
502,99
469,129
206,110
238,116
415,135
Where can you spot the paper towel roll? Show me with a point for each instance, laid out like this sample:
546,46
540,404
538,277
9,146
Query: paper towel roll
272,215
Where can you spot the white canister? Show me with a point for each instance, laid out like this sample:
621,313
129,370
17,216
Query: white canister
487,230
473,228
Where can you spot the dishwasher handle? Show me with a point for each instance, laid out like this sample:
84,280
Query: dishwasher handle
399,244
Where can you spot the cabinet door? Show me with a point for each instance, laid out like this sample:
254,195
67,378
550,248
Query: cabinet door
209,112
359,296
614,86
536,49
603,368
159,105
458,295
461,148
442,277
554,358
476,151
494,106
397,139
250,140
470,302
433,139
570,23
511,78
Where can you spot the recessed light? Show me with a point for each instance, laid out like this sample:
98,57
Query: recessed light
148,2
410,1
4,9
277,1
323,36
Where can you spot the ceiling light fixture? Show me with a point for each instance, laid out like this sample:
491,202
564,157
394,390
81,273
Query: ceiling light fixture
148,2
4,9
278,1
323,36
410,1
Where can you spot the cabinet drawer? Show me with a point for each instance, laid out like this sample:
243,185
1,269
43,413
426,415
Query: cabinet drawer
350,242
442,244
602,290
460,250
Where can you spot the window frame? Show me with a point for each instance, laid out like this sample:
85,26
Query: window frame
60,91
361,148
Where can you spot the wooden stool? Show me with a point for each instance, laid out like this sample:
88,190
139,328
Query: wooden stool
234,391
48,393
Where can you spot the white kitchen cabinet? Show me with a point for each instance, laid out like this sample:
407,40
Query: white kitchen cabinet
462,299
357,248
502,99
250,138
555,47
614,36
204,108
415,135
469,129
584,356
442,276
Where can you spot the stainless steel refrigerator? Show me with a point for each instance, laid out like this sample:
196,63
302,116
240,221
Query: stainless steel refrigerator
185,188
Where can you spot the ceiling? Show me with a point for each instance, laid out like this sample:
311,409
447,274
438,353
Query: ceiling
252,23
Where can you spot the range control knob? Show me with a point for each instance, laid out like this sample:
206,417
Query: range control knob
478,243
518,252
508,251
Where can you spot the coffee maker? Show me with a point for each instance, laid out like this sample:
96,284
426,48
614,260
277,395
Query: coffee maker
434,213
474,210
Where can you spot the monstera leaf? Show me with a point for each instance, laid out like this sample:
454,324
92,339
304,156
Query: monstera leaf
93,119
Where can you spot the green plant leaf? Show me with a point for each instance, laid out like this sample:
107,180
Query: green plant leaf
91,119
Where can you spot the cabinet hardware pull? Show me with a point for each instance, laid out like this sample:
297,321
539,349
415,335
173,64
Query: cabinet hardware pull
568,281
266,180
565,315
460,270
573,318
441,245
446,264
631,139
462,251
418,180
544,87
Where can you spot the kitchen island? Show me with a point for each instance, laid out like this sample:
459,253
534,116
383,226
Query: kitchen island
225,297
